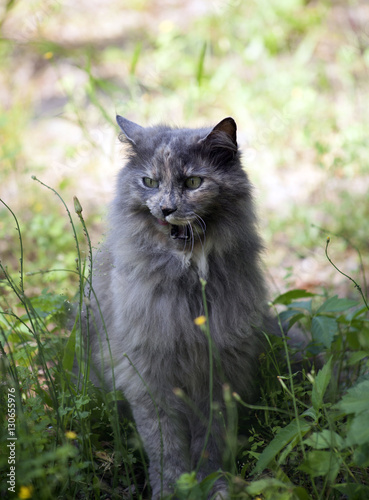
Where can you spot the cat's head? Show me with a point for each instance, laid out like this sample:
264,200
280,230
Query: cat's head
183,180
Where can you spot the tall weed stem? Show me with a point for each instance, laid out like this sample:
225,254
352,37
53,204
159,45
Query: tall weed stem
346,275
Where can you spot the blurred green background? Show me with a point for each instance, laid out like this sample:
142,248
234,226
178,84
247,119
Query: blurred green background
293,74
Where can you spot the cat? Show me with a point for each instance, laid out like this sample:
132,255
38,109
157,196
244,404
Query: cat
183,216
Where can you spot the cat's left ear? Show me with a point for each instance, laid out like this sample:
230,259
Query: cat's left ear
226,129
131,130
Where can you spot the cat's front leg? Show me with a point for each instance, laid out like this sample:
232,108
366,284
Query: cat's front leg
206,455
165,439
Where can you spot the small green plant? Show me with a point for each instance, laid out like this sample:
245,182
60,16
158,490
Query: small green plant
306,437
321,447
63,426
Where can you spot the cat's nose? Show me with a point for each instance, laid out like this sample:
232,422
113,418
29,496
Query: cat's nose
168,210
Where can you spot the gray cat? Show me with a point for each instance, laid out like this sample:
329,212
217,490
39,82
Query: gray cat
183,210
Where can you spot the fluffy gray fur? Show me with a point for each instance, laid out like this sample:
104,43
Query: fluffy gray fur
183,210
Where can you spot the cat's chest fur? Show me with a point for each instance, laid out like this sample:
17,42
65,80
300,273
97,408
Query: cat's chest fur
162,297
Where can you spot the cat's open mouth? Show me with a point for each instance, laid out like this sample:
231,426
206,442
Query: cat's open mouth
176,232
179,232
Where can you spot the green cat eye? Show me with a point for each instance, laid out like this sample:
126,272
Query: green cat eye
193,182
150,183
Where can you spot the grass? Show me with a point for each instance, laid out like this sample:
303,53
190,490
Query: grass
305,438
294,76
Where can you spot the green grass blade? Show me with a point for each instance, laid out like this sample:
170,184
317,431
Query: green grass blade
69,351
284,436
200,64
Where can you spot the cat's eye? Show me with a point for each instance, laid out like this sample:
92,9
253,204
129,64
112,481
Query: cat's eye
193,182
150,183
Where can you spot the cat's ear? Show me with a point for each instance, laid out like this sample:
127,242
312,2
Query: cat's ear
229,127
221,142
225,131
131,130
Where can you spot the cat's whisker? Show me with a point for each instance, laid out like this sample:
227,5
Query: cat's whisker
201,242
185,240
202,225
192,237
200,222
198,235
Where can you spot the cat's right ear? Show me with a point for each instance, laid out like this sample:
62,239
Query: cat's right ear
131,130
223,135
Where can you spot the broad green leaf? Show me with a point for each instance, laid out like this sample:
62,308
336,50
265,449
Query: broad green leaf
334,304
281,440
36,312
4,320
258,487
361,455
356,357
322,463
320,384
20,336
274,489
358,432
187,481
286,451
353,491
356,400
47,304
310,412
301,493
291,295
188,487
324,439
291,316
281,475
363,338
302,304
323,330
355,314
207,484
115,396
82,400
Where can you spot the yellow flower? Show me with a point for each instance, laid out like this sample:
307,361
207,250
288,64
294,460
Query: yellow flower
48,55
200,320
70,435
25,492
